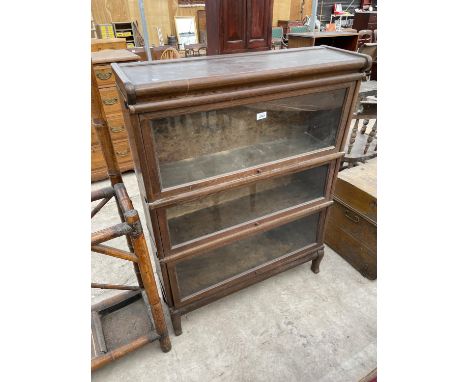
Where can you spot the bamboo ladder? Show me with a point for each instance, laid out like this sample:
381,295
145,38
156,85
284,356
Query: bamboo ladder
138,254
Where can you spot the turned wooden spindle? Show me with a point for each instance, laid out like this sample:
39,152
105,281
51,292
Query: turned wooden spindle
371,137
364,126
353,135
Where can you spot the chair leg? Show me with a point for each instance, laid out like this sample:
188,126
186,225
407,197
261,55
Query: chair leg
147,276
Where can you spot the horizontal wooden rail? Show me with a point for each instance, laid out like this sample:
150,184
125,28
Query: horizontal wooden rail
106,192
101,204
110,233
114,252
102,360
114,286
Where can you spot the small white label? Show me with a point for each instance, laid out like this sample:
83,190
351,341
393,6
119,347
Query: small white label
261,115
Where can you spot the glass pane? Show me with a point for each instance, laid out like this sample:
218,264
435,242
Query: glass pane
220,264
200,145
228,208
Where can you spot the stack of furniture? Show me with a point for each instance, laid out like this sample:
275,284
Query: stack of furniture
238,26
236,158
352,225
127,30
104,80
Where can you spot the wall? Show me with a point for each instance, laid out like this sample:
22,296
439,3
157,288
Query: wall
160,13
290,10
281,10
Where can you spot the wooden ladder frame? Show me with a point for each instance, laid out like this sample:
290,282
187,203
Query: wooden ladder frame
138,254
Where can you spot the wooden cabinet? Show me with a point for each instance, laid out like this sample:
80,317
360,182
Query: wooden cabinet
236,158
238,26
342,40
105,81
352,226
365,20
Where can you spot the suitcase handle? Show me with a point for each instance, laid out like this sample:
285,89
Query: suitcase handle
353,218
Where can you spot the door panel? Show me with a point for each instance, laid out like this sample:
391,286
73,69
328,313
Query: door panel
233,30
258,26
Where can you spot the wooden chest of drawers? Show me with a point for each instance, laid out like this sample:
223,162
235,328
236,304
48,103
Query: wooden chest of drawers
112,111
352,225
236,158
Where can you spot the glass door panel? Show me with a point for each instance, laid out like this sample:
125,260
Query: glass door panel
201,145
213,213
203,271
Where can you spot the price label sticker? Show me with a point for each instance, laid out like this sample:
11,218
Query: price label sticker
262,115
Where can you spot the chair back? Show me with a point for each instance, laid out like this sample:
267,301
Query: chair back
364,37
277,33
299,29
169,54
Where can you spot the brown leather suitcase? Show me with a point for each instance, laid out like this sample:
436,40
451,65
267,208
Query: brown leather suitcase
351,229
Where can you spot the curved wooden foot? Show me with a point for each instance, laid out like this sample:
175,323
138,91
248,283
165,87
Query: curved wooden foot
176,323
316,262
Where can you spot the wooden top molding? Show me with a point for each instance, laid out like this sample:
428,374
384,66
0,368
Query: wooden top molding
152,80
113,55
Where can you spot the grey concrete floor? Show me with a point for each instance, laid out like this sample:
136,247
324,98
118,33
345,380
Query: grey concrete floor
295,326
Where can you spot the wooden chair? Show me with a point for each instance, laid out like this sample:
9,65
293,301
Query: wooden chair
170,53
364,37
359,147
277,38
104,337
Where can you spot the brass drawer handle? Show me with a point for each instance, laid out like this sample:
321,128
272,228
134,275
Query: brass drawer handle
353,218
122,153
103,75
110,101
117,129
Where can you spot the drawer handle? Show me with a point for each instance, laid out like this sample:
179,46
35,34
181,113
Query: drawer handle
117,129
110,101
353,218
104,75
122,153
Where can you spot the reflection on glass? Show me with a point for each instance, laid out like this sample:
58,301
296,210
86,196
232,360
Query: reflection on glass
196,146
228,208
233,259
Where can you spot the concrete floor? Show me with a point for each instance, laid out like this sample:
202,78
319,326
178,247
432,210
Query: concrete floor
295,326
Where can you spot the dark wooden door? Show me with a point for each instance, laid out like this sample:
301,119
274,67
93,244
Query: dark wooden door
233,25
258,29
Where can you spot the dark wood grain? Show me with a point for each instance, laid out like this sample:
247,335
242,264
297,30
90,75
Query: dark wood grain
223,224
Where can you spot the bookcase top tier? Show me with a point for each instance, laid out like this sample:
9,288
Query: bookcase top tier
156,78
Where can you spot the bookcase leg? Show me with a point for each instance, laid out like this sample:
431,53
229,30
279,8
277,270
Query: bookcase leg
316,262
176,323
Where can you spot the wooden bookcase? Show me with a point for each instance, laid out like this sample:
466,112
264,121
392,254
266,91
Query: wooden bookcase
236,158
